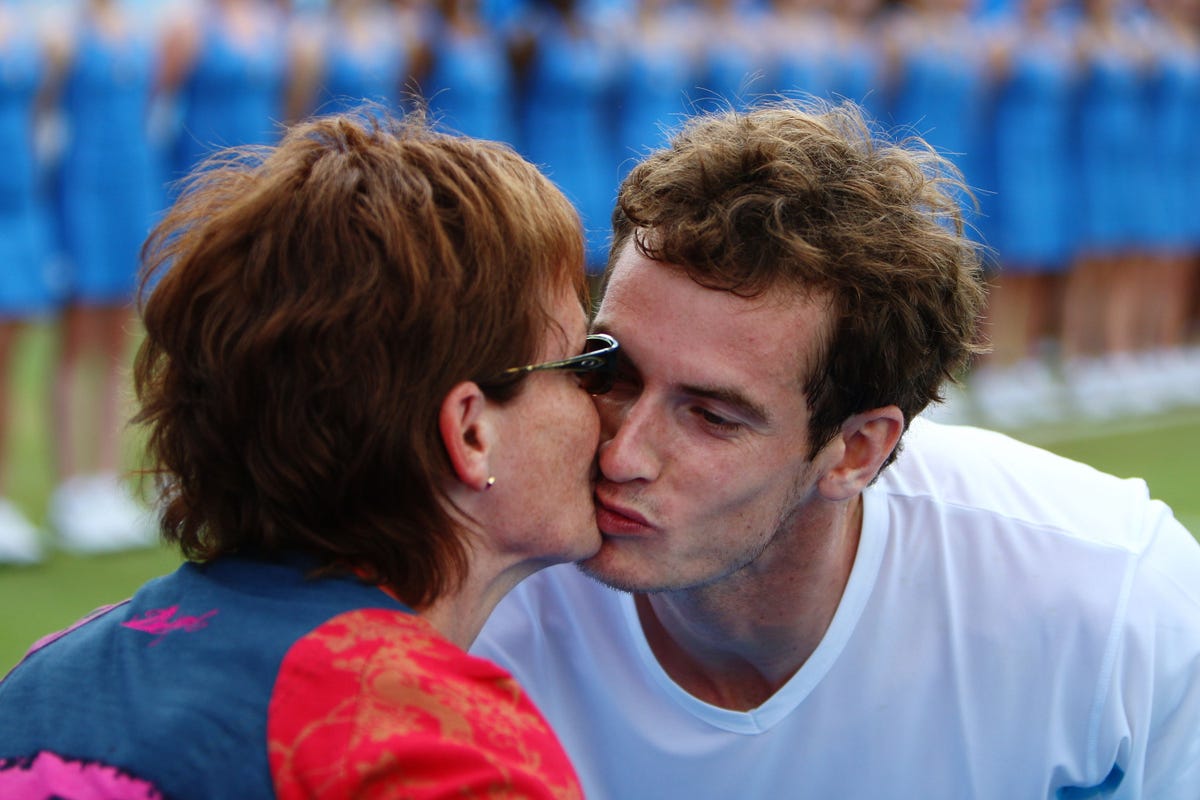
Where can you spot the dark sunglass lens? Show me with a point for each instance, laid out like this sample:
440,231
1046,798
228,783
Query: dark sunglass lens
597,378
596,381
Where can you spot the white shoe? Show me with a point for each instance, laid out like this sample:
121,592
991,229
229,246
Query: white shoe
1095,389
1176,383
19,539
96,514
1020,394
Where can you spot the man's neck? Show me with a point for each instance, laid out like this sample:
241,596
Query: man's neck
735,643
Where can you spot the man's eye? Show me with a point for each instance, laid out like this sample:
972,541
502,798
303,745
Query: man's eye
717,421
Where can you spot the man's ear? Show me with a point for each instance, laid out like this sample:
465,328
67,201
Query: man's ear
864,444
467,433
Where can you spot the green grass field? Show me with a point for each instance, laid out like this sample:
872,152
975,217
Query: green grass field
1164,450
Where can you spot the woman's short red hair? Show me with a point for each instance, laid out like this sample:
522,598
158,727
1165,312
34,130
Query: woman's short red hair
307,307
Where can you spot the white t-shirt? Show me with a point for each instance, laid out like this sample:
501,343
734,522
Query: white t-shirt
1016,626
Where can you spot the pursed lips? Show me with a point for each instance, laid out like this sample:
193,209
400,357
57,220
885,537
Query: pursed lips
615,519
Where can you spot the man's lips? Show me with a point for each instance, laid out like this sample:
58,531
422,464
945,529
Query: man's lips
618,520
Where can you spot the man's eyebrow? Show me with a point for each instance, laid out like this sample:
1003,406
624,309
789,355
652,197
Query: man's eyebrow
752,412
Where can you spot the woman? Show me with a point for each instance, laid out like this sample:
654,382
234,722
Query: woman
658,70
108,193
938,76
466,74
27,288
357,467
1032,101
227,64
356,51
1169,373
567,70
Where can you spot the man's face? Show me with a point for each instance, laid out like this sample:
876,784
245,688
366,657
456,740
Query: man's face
704,439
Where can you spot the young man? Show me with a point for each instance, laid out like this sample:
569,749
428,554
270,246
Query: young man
794,615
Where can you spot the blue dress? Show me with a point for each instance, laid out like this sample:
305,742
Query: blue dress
1031,229
357,71
941,95
26,286
1174,117
1108,139
804,68
233,96
470,86
109,187
565,128
855,72
731,76
652,99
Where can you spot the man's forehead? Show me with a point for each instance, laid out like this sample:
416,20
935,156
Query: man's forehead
698,336
629,262
637,285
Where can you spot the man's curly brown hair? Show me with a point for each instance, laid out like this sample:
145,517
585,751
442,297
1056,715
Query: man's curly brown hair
808,197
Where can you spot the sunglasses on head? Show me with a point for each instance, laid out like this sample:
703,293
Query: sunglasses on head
595,367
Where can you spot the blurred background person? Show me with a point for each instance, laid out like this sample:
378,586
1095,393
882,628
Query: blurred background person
27,287
800,40
1105,284
936,83
108,191
1030,226
466,75
937,86
1169,368
856,57
350,52
567,73
657,74
733,57
227,66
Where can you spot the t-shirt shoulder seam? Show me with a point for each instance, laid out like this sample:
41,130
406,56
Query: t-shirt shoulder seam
1048,527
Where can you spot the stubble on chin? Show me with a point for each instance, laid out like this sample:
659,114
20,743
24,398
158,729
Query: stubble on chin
620,577
599,570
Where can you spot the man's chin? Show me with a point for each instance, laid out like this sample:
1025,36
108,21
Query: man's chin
605,580
606,567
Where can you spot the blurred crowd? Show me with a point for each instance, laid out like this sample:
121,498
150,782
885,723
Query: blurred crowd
1077,124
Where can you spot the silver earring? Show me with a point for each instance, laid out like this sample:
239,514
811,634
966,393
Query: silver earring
491,481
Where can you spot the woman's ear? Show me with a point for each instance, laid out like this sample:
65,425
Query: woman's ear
859,451
467,433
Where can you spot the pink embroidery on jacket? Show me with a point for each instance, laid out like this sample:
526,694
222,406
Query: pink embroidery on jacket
50,776
158,622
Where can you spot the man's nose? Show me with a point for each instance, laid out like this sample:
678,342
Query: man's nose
629,439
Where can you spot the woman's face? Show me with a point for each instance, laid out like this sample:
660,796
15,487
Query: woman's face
546,470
